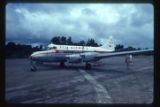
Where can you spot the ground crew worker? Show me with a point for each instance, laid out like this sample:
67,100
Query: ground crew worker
128,60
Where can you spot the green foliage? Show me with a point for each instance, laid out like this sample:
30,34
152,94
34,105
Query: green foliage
68,41
19,51
119,47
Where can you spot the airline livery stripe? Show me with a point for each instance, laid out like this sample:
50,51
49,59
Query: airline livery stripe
67,51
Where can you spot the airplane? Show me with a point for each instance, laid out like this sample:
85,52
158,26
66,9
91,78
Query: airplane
78,54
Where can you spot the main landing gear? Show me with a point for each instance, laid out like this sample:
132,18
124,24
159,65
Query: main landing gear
33,66
62,64
88,66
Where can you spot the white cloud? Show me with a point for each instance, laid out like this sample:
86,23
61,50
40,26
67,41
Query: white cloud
128,23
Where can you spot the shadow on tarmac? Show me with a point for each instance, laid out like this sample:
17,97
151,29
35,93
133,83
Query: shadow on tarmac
55,67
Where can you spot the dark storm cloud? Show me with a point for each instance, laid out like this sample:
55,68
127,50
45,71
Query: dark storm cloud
129,24
143,16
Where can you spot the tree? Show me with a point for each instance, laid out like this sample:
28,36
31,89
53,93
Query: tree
81,43
19,50
56,40
138,48
130,48
63,40
91,42
119,47
11,45
69,41
41,47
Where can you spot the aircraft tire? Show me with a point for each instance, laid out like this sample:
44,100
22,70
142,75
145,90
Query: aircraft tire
88,66
33,69
62,64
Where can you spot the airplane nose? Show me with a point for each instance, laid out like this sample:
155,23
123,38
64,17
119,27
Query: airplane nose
32,56
35,56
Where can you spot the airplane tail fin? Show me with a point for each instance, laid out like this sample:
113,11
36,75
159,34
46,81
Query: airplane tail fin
109,44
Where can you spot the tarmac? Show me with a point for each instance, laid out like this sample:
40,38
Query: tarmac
108,82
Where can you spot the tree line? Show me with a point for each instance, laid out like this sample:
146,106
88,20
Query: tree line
62,40
13,50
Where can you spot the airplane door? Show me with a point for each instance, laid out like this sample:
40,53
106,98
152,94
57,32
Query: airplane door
67,49
82,49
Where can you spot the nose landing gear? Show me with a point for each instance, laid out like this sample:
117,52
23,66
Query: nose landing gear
33,66
62,64
88,66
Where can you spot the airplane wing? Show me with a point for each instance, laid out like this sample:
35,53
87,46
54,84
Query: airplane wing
136,52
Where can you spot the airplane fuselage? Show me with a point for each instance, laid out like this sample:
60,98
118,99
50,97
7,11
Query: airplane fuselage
58,53
78,54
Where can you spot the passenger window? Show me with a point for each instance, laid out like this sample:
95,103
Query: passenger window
54,47
49,48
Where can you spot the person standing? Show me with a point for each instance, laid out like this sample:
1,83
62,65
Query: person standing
128,60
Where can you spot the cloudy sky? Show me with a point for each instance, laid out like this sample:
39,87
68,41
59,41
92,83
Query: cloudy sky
128,24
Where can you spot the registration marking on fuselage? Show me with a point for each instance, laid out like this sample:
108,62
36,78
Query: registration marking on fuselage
102,93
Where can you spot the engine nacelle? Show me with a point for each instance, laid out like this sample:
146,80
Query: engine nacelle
74,59
89,57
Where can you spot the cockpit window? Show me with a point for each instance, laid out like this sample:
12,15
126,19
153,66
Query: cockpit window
54,47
